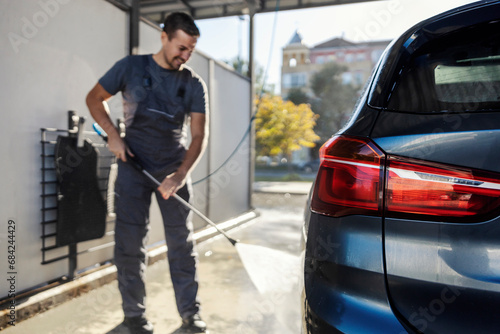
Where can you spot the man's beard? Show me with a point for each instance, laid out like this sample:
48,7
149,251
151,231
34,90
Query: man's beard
176,63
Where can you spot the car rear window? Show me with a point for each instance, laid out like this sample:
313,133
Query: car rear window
458,72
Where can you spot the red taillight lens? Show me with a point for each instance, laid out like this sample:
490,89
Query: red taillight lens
415,187
353,179
349,179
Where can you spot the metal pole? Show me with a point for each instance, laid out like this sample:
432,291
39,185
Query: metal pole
211,101
251,71
134,27
73,260
73,121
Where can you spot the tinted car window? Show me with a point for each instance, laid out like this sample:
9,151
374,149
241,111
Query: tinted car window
458,72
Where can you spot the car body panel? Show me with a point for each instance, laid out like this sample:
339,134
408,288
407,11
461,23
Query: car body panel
442,277
342,256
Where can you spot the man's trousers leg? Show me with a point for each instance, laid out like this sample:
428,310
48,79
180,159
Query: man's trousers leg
182,257
133,199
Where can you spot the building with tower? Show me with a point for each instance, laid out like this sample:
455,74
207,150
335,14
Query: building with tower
300,62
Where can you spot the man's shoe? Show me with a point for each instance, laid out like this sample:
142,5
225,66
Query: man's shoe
138,325
194,324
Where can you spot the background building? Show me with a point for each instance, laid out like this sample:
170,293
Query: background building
301,62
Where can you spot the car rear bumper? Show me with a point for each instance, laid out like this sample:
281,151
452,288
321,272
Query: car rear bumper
344,281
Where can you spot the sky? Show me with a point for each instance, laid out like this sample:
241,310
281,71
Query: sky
226,38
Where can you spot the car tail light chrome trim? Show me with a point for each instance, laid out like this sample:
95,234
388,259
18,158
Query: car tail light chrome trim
356,177
429,189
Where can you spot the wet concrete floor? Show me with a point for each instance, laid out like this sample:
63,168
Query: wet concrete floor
230,300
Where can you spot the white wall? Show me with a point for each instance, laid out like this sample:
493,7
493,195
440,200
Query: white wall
230,122
52,52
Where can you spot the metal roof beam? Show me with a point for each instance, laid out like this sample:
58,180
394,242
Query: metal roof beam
163,7
207,9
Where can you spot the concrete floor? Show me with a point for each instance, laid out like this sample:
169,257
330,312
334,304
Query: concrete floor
230,300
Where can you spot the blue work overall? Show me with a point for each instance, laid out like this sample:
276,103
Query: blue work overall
155,137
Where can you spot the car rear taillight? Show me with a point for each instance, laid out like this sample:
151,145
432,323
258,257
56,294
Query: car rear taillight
421,188
355,177
350,178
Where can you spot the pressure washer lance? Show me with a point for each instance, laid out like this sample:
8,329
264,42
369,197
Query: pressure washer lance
103,134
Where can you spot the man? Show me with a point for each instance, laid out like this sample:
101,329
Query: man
159,94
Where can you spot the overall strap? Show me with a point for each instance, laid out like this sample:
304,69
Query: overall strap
146,79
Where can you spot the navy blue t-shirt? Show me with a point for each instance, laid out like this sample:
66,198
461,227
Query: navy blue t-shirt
129,76
155,104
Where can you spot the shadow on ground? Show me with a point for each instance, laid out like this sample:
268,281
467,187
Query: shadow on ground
122,329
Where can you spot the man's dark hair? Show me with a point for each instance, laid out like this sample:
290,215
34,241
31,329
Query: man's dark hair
182,21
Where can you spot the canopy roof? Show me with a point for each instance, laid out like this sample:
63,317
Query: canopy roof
156,10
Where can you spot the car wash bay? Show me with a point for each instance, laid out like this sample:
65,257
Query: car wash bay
230,300
54,53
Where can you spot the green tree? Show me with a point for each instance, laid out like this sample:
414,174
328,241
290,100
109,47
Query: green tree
297,96
334,101
282,127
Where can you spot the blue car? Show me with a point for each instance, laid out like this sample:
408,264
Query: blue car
402,230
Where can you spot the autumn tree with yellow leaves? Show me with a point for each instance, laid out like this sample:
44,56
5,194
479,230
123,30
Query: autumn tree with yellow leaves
282,127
